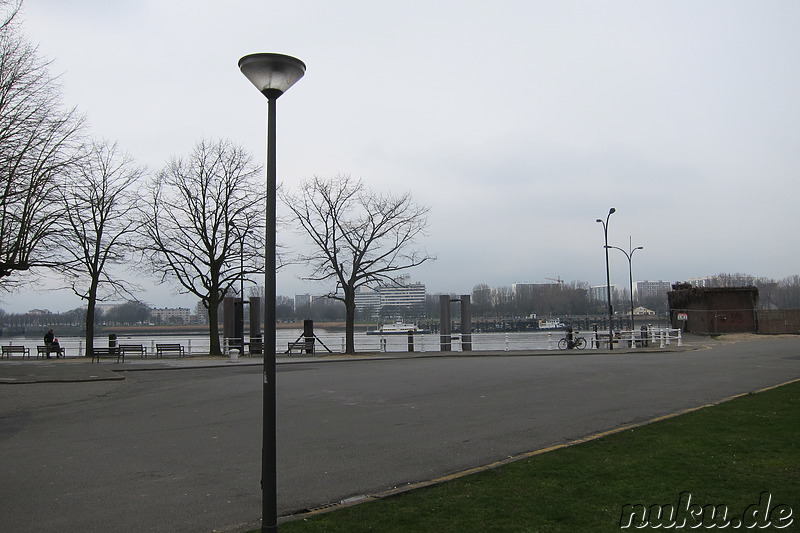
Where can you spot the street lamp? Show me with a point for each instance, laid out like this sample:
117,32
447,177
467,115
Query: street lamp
629,256
608,282
272,74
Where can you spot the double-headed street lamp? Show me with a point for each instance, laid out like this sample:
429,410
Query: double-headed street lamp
272,74
608,282
629,256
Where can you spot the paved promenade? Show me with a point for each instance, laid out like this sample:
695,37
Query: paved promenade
174,445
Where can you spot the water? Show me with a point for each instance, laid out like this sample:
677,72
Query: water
334,340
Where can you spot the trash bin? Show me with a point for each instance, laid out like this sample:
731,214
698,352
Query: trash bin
112,340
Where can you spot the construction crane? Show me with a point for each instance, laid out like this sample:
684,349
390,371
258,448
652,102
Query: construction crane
558,280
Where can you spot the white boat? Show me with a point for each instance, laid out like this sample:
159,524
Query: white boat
551,323
398,328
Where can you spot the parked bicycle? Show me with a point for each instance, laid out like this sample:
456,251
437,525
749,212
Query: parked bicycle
568,344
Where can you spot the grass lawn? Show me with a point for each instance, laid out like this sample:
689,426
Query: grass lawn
727,455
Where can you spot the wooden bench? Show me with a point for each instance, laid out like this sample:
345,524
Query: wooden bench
255,347
45,351
300,346
161,349
133,348
9,350
97,353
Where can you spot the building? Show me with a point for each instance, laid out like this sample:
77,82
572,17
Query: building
367,298
302,300
403,294
713,310
523,290
170,315
652,289
599,293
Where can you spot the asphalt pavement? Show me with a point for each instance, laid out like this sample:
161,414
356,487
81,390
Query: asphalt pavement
173,444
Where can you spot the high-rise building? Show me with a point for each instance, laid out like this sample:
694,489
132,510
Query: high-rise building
599,293
648,289
170,315
403,294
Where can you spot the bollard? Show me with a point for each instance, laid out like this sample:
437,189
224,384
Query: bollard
662,339
549,340
633,339
667,335
190,347
152,347
410,341
80,348
506,348
680,338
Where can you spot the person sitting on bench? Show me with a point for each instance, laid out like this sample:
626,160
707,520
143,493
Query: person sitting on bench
52,343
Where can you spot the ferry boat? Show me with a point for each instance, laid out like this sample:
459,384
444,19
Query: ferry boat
551,323
398,328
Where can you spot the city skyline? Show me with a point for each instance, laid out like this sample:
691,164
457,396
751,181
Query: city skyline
191,302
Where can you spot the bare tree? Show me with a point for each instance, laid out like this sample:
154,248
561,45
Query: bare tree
38,142
206,214
98,226
360,237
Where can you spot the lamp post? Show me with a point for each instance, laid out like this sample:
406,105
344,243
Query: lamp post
608,282
629,256
273,75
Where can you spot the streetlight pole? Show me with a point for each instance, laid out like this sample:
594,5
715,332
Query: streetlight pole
629,257
608,282
273,75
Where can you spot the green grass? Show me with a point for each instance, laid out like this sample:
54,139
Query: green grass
727,454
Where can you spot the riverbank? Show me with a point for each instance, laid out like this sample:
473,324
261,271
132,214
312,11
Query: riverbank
160,330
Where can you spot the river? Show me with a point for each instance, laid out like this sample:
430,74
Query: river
334,340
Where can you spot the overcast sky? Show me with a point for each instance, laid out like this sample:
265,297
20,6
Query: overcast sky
519,122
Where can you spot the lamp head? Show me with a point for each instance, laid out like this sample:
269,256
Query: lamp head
598,220
272,74
612,211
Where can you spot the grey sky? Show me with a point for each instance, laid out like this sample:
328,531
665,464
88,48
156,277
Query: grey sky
519,122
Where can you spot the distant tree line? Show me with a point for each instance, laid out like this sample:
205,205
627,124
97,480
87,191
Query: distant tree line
772,294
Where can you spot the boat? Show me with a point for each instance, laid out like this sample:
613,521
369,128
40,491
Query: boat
552,323
398,328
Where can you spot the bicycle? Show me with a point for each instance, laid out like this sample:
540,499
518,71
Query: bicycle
577,342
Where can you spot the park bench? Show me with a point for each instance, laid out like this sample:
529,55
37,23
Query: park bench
45,351
9,350
300,346
97,353
161,349
133,348
255,347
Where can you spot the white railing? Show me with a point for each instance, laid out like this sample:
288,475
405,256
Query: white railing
654,337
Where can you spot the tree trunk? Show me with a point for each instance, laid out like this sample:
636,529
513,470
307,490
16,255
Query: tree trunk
213,326
90,311
349,332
